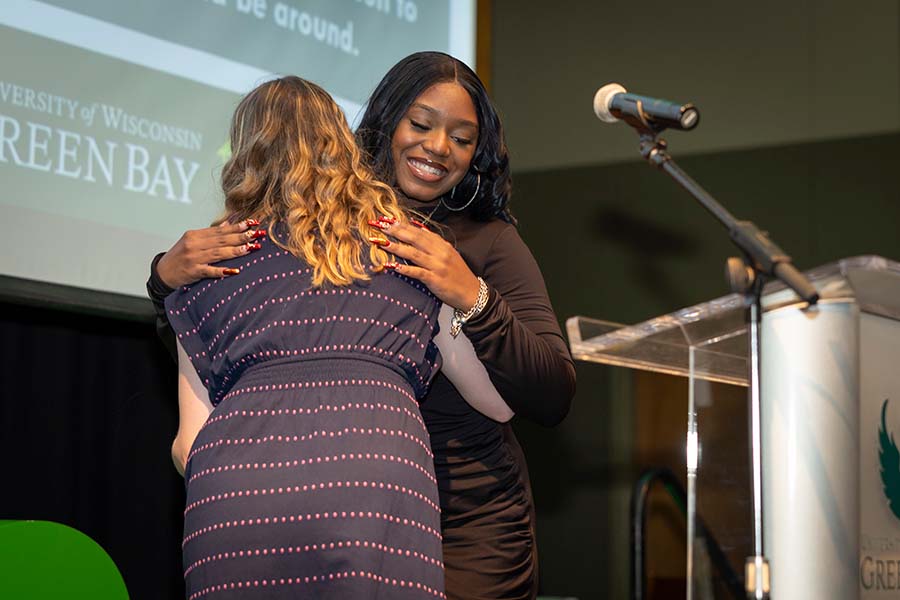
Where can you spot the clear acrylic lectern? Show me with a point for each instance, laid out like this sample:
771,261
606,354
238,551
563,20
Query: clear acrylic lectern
830,386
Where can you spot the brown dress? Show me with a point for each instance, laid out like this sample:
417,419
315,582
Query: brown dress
487,510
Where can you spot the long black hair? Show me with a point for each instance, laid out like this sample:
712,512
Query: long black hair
405,82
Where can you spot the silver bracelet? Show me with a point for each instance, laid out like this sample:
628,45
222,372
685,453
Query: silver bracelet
460,318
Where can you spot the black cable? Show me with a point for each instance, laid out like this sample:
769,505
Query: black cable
639,496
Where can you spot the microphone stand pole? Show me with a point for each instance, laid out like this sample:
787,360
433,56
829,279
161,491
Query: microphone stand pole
762,259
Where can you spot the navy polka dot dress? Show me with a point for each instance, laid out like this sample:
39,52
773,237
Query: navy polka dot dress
313,476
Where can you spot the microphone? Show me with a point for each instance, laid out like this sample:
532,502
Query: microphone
612,103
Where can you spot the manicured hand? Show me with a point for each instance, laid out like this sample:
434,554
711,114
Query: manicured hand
192,256
433,260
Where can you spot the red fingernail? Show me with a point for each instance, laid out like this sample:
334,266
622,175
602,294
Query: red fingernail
391,265
230,271
377,224
258,234
253,245
418,224
380,242
252,222
390,220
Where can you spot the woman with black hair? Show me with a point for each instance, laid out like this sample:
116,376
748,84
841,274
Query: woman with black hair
431,131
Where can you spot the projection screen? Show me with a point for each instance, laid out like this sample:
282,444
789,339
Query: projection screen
114,114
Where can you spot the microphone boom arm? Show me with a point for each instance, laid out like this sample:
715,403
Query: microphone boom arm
763,255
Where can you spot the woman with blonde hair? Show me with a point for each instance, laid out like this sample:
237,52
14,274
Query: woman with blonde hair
308,467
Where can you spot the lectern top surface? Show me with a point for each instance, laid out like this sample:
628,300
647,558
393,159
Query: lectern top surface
715,331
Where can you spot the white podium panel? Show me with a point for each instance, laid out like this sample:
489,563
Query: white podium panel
810,432
879,472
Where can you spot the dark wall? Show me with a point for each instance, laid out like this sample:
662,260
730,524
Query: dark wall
87,415
762,73
624,243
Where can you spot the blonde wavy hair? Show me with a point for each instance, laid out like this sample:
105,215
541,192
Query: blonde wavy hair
295,161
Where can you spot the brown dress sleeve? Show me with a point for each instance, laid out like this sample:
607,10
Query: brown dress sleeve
517,336
158,290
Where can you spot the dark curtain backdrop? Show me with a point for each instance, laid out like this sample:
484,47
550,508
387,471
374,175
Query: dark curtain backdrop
87,416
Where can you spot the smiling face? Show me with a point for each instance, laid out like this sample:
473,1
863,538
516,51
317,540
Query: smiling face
435,141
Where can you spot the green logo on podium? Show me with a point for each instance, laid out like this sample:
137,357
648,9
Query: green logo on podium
889,457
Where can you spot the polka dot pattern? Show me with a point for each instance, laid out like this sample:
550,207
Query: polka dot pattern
313,476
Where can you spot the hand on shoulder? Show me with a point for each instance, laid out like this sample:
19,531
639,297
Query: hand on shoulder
432,260
197,250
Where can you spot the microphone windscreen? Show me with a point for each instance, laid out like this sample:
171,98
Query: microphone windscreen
602,100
